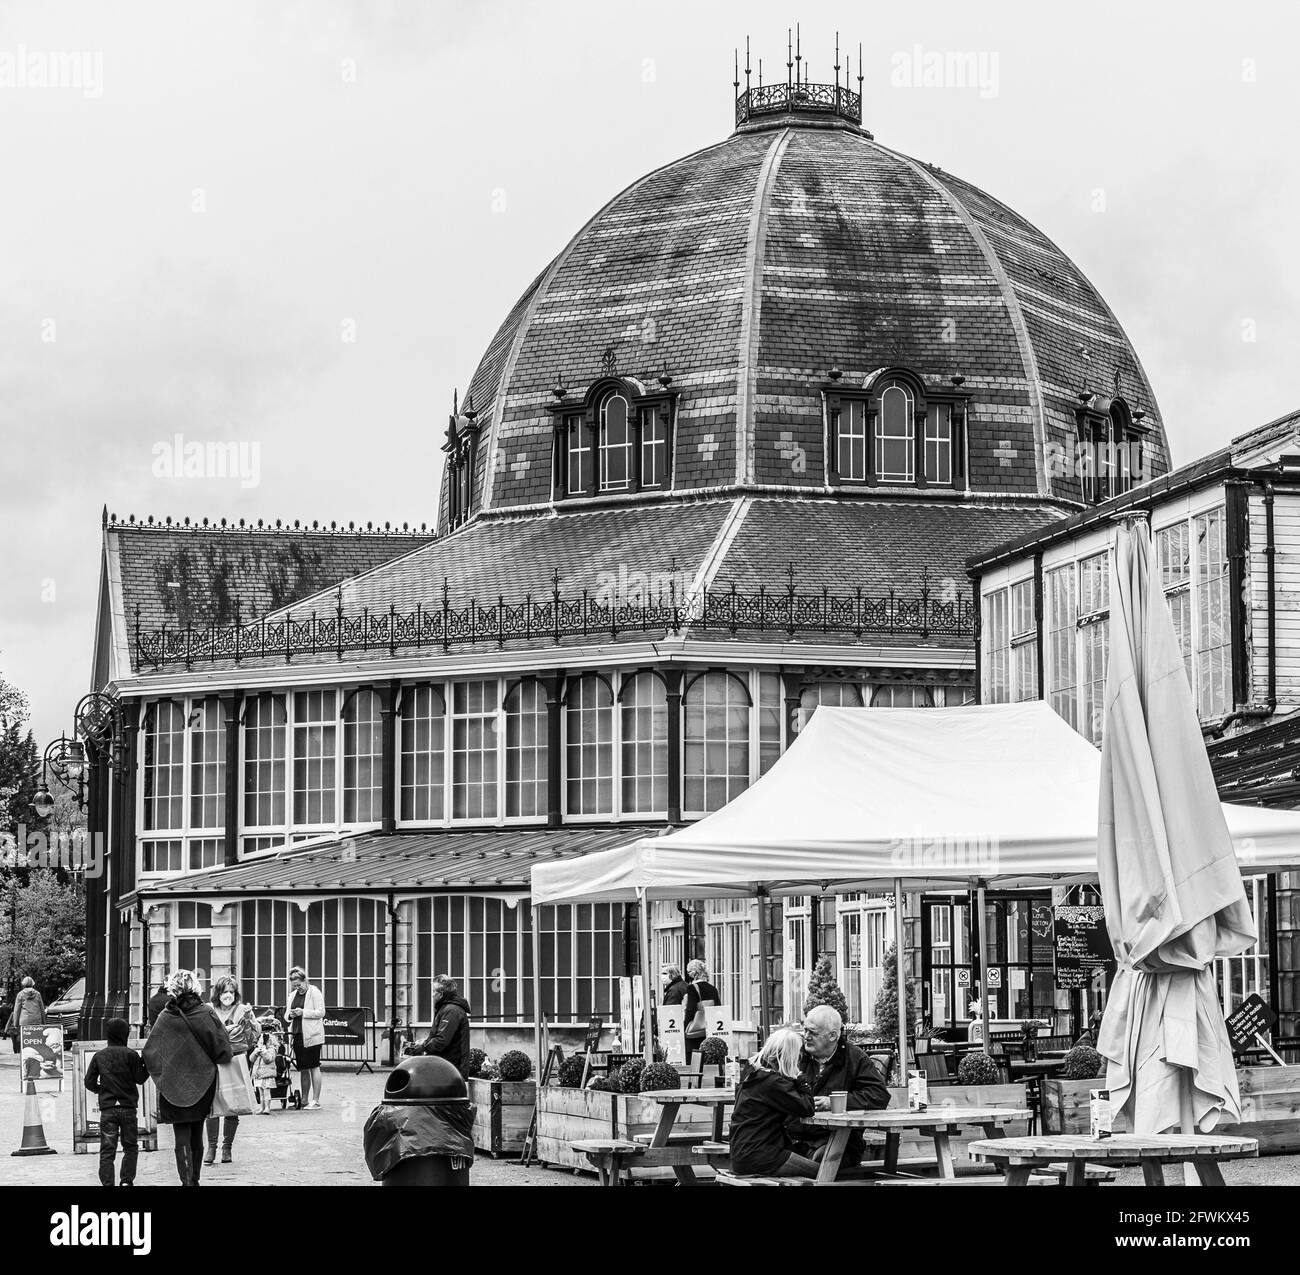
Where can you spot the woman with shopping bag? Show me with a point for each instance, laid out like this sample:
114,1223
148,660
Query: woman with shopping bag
183,1052
234,1095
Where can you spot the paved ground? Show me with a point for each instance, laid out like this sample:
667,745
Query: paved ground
323,1148
319,1148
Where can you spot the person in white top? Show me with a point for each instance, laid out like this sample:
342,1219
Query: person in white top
305,1015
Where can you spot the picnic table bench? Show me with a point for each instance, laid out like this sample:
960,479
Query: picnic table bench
610,1156
1020,1156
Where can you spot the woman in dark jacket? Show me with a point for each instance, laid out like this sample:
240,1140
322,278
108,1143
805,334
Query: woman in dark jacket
700,995
182,1053
770,1092
28,1011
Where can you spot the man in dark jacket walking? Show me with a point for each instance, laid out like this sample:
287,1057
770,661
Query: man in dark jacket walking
833,1065
449,1036
115,1074
157,1003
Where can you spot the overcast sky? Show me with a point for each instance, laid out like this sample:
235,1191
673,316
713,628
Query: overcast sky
299,224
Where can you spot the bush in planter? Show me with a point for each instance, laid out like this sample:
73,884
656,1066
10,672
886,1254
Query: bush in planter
1082,1063
476,1060
978,1069
604,1084
629,1075
713,1053
824,990
514,1064
659,1075
490,1071
886,1007
571,1071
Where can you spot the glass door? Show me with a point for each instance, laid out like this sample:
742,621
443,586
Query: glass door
946,959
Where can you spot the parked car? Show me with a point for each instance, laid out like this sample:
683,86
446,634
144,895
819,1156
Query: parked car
66,1011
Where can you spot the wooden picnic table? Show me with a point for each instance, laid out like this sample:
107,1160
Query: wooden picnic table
939,1122
1020,1156
661,1149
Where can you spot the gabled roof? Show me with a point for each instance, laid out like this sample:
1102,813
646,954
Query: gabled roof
187,574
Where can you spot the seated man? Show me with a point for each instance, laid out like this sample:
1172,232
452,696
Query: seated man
831,1065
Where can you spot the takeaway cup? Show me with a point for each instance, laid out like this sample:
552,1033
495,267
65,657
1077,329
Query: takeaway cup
839,1101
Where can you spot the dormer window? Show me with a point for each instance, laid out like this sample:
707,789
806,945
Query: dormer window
577,447
895,431
1111,456
895,442
615,443
619,439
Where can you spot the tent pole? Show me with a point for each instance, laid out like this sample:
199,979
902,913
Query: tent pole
647,987
537,988
901,965
979,969
1187,1122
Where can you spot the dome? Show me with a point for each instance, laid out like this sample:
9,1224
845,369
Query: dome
751,282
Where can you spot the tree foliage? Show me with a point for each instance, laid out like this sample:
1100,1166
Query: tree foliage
824,990
886,1008
42,931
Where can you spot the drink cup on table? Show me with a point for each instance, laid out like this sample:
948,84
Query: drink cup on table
839,1102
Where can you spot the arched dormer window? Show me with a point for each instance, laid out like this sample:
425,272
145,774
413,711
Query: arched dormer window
615,442
619,438
892,430
1111,455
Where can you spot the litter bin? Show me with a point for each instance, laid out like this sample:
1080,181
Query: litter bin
422,1132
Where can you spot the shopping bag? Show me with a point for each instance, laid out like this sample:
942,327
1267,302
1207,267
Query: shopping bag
234,1092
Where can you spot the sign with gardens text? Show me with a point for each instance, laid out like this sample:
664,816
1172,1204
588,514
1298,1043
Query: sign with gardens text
1083,948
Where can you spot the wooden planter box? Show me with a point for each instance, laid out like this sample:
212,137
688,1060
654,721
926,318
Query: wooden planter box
1270,1107
1065,1104
913,1147
568,1115
502,1111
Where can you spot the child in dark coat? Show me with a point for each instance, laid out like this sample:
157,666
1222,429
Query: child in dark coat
115,1074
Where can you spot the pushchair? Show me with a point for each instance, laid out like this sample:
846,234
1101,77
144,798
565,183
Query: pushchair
285,1088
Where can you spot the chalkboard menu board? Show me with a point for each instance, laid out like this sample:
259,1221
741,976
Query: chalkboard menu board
1250,1019
1082,946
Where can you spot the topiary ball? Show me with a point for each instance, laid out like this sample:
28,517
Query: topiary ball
713,1052
1082,1063
629,1075
571,1070
978,1069
660,1075
514,1064
476,1060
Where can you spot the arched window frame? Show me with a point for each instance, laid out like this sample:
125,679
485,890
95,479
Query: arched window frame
573,690
692,809
582,450
936,416
632,774
1111,448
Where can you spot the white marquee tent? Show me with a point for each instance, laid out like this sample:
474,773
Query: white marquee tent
920,798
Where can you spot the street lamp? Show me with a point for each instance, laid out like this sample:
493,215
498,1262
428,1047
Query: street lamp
65,759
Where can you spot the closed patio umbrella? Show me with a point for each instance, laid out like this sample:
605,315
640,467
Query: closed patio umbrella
1170,881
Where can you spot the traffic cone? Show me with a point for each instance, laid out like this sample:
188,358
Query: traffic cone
33,1129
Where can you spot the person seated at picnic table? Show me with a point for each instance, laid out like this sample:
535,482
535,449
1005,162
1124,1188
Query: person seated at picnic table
771,1090
831,1064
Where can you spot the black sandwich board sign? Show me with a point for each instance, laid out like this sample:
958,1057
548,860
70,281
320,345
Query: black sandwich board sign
1082,946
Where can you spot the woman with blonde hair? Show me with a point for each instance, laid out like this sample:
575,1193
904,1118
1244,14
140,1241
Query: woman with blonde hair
771,1091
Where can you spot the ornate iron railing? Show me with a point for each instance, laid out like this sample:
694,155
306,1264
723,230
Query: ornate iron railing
551,620
782,99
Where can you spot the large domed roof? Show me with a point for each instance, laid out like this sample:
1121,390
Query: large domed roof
752,268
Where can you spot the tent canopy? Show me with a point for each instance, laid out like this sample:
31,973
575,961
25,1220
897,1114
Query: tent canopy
999,793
